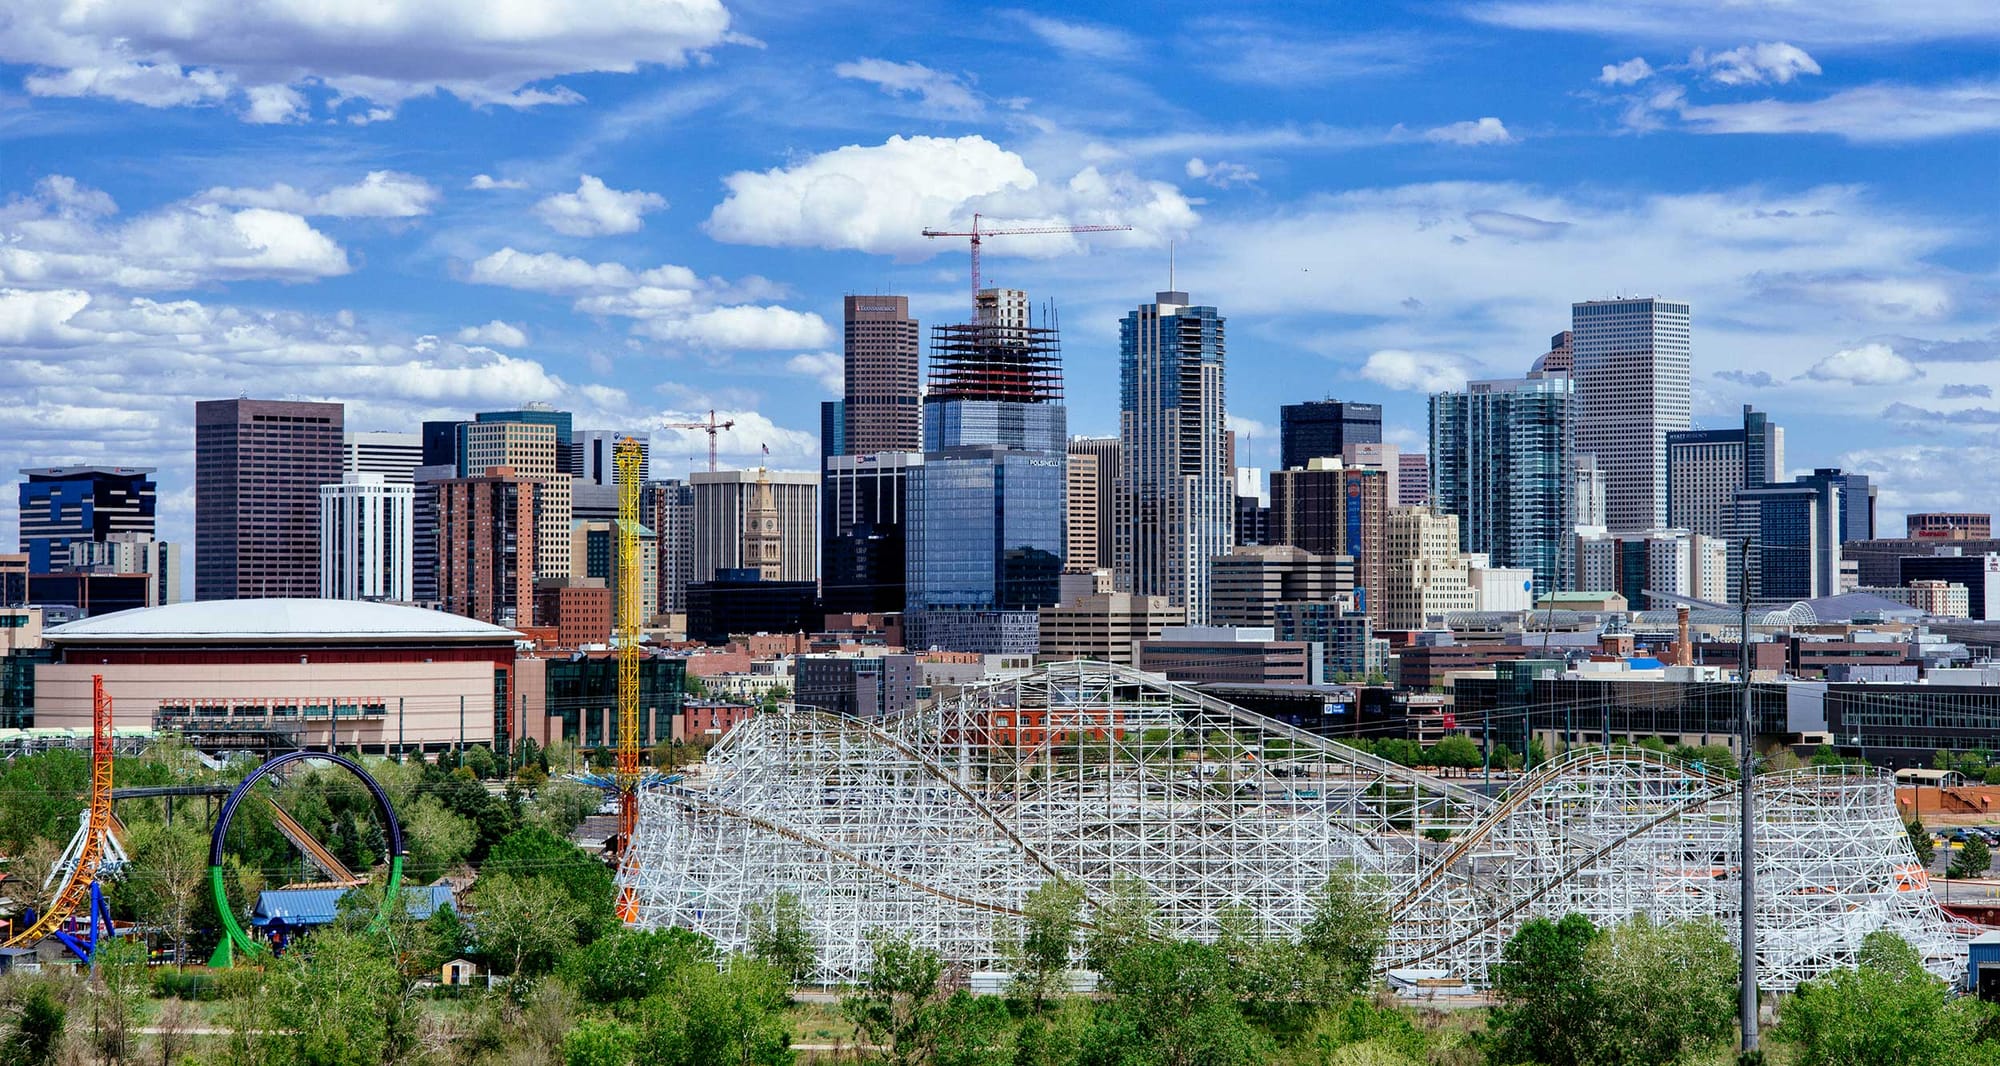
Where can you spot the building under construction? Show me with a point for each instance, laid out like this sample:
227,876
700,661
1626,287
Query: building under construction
939,821
999,355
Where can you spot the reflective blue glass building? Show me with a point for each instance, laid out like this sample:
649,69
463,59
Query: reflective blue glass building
985,523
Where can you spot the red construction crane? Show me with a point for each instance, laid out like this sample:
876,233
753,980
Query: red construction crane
711,427
977,234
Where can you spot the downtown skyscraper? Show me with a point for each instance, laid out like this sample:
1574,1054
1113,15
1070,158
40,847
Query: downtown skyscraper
985,529
1504,457
1632,368
258,466
1176,494
880,406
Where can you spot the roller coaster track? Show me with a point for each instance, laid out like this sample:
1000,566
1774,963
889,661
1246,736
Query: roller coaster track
338,875
90,845
1518,796
1555,881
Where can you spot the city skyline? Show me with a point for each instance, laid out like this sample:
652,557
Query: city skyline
1384,207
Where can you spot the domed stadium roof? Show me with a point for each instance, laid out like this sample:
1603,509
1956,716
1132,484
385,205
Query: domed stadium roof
276,620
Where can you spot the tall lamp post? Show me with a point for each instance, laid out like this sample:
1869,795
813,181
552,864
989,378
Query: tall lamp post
1748,862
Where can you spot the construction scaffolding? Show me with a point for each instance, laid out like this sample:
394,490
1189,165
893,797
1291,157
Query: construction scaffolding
937,822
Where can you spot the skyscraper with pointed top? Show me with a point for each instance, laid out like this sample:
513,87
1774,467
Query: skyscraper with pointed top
1176,497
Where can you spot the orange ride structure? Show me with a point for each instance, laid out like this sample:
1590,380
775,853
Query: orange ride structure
93,852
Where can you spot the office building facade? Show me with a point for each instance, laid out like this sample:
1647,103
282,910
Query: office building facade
1795,549
1322,429
394,456
537,451
258,468
1673,561
593,458
424,530
1948,525
486,546
881,406
1093,480
667,506
1251,582
1632,370
1105,626
1504,455
1427,577
986,509
131,553
367,539
862,539
1176,495
1706,467
723,500
64,505
1413,485
1329,508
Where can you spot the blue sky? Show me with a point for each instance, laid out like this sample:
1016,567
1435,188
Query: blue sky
645,209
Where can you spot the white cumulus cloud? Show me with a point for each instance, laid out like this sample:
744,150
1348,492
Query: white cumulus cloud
1631,72
827,368
380,194
1416,371
1870,364
668,302
206,51
1487,130
939,92
488,181
595,209
1220,174
1754,64
880,198
67,235
504,334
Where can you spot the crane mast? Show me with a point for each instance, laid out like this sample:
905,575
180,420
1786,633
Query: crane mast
627,459
710,427
977,235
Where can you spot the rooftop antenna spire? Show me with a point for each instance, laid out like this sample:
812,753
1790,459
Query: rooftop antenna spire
1170,265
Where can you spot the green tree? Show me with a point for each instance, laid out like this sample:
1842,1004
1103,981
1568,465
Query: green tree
1921,842
1456,753
630,964
521,927
334,999
1172,1004
901,1005
116,997
535,853
31,1025
562,805
1549,1007
707,1016
167,880
1127,917
1667,990
1338,944
437,840
599,1042
778,936
1972,859
1886,1011
1824,755
1052,915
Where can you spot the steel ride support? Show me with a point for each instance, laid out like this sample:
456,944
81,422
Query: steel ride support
627,459
90,851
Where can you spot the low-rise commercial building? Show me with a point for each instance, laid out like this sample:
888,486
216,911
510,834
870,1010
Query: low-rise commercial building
285,673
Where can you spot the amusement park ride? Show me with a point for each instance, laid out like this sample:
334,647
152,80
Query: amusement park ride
77,916
93,852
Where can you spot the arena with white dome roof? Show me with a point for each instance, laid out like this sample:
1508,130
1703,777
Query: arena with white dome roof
286,673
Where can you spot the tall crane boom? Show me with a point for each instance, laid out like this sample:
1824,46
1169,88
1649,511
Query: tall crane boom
710,427
977,234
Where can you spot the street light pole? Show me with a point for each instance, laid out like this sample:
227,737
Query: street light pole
1749,857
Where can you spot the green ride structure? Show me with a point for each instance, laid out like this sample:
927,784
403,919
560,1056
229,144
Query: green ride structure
234,939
